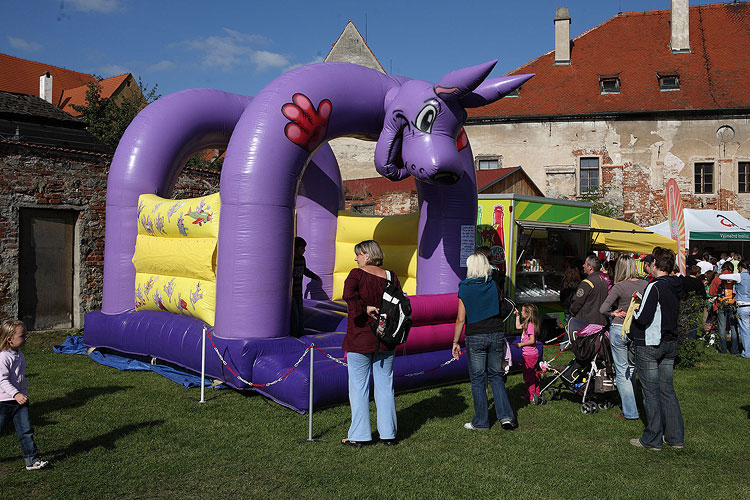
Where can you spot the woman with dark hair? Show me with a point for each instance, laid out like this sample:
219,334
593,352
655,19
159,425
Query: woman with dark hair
725,307
363,293
654,335
571,280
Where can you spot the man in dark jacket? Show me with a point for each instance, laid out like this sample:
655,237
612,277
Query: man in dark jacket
654,335
591,294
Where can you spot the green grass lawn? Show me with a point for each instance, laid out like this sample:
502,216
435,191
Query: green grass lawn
112,434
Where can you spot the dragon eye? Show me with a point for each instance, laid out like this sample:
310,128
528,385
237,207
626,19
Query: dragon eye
426,118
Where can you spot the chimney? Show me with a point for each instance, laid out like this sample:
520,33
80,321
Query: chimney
562,36
680,24
45,87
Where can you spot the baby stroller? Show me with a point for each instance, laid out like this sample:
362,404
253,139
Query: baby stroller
590,375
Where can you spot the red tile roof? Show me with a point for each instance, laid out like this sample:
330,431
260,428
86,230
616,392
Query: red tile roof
378,186
68,87
77,95
636,46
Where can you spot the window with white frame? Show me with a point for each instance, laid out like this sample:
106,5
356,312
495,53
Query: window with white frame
589,170
704,177
488,162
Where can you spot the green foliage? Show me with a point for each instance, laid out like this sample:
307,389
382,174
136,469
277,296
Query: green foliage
599,203
106,119
690,323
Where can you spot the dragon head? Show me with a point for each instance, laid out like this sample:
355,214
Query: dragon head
423,122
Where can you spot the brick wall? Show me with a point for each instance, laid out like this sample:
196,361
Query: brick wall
395,203
35,177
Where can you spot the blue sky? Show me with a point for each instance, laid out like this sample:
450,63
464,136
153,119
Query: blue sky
240,46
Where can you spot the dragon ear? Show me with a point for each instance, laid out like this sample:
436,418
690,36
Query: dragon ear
493,89
459,83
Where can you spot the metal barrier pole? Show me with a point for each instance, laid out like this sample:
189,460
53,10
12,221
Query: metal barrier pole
203,368
310,405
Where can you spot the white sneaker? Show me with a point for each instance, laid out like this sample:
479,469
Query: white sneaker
38,464
470,426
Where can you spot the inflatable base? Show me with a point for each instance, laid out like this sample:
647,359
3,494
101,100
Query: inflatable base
177,339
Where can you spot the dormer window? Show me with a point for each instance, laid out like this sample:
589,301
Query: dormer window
513,93
669,81
609,84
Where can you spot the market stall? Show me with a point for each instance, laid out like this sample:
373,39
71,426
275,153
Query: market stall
620,236
533,240
721,230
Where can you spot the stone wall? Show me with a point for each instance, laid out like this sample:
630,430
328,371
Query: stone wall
38,177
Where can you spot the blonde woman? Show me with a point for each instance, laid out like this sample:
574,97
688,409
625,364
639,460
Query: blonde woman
615,306
479,312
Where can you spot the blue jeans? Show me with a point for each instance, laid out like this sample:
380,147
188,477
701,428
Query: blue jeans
486,352
726,315
359,366
663,415
743,319
624,370
11,410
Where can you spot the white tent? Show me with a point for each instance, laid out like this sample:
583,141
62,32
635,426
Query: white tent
710,225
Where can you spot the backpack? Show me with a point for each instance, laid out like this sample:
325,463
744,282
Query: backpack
394,317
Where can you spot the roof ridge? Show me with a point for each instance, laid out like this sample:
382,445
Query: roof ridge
46,64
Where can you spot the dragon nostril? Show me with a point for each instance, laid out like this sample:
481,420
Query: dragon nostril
413,167
446,178
421,170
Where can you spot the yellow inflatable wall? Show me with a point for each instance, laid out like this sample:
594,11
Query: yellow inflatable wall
396,234
175,255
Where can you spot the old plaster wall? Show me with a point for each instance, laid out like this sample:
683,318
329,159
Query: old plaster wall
637,158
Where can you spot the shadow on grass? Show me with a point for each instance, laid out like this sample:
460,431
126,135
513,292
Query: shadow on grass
73,399
747,409
106,441
448,403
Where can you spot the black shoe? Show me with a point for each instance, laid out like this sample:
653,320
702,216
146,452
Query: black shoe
509,424
389,442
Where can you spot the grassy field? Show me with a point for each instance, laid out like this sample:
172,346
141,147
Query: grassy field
112,434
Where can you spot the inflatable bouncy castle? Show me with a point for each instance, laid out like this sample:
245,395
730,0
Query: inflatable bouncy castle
223,262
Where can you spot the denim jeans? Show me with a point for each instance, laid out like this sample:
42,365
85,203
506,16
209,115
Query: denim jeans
743,320
625,372
359,366
726,315
11,410
663,415
486,352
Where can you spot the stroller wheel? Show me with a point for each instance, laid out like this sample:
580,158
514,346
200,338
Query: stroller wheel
605,405
555,394
589,408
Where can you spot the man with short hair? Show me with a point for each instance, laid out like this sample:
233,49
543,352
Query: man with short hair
692,259
590,294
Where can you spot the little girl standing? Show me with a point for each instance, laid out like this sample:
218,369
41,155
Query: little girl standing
528,321
14,395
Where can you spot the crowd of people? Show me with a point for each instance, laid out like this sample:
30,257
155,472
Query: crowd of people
604,295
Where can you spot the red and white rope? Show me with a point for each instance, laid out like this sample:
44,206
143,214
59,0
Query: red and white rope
307,350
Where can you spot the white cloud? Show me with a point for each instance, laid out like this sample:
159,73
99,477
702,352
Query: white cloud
162,65
233,49
21,44
264,60
103,6
111,70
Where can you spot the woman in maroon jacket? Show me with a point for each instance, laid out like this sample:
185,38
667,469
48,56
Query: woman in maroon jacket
363,292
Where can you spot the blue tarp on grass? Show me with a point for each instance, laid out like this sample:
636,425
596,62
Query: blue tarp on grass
75,345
